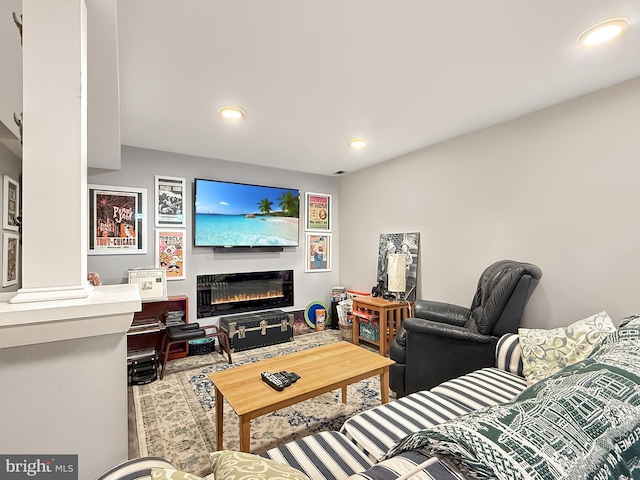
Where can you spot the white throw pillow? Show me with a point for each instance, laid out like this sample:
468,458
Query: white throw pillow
546,351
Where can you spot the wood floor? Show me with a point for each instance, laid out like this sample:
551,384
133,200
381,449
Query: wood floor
133,437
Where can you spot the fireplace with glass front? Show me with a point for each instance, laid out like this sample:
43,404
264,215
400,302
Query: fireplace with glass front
229,293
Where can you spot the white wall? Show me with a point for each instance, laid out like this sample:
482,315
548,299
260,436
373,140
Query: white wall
103,104
558,188
139,166
67,397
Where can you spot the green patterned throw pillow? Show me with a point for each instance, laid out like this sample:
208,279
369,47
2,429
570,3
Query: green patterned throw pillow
548,351
579,423
240,465
171,474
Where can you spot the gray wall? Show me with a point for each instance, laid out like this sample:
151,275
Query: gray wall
558,188
139,166
12,166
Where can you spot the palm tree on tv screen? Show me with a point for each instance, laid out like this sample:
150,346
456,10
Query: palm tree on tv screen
265,206
289,204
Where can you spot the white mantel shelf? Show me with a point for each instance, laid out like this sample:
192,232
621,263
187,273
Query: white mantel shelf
107,310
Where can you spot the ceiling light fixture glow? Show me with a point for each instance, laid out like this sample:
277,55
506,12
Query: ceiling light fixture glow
603,32
357,143
231,113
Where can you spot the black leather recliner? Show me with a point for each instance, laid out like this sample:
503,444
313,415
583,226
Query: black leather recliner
443,341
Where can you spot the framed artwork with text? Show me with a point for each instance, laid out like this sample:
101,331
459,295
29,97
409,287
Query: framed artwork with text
152,283
318,209
116,220
169,201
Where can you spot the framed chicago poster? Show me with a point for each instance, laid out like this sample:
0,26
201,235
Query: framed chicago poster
318,208
169,201
11,204
10,258
170,244
117,223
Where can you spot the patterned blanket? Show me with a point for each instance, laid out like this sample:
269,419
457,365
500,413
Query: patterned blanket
580,423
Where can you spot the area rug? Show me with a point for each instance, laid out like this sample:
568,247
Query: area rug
175,417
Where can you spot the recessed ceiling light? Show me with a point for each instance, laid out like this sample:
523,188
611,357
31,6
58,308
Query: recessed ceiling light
231,113
603,32
357,143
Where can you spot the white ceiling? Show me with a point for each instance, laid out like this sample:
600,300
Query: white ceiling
310,74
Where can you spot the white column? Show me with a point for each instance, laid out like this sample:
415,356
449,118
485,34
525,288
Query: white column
63,344
54,199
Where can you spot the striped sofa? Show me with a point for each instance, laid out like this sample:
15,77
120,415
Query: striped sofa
357,449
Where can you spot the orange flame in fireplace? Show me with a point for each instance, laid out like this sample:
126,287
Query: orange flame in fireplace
243,297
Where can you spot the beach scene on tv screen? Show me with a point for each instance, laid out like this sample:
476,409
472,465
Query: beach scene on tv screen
234,214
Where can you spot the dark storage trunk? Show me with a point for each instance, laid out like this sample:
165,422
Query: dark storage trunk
253,330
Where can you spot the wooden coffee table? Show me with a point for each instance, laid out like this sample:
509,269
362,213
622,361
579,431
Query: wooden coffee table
321,369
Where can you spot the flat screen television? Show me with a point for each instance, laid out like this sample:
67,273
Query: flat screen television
231,214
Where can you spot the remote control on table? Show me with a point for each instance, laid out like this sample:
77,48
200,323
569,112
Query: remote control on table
275,381
284,376
292,377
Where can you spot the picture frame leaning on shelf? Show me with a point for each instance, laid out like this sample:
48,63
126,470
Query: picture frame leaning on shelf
152,283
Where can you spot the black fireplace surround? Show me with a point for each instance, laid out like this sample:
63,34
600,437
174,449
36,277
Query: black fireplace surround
229,293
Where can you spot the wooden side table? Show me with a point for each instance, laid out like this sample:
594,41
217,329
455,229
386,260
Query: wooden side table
389,315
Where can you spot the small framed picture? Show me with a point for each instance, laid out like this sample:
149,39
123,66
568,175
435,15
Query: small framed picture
152,283
10,258
318,210
169,201
11,202
318,252
170,245
117,224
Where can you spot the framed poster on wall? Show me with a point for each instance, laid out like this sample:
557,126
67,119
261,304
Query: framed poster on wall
169,201
318,210
170,245
318,252
116,220
11,204
10,258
